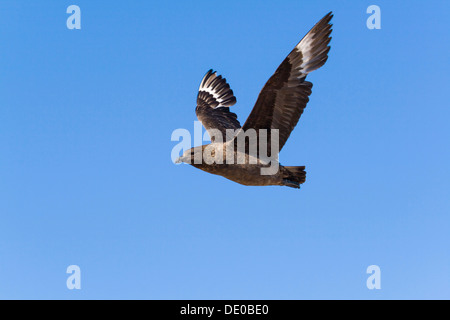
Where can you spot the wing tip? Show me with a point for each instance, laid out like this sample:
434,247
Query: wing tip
314,47
215,90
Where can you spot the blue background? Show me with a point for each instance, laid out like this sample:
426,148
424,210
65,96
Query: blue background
86,176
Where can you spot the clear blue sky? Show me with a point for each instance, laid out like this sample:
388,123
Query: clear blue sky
86,176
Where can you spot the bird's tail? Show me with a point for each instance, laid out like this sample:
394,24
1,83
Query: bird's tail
294,176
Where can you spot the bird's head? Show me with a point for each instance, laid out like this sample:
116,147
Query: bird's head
191,154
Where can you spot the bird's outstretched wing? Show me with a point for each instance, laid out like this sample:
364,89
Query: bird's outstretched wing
213,101
283,98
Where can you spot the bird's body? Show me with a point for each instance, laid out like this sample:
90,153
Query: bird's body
249,154
249,172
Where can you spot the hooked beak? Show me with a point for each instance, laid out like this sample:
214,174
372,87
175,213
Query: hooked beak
179,160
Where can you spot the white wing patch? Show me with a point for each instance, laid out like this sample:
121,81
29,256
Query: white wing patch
305,48
216,91
313,48
215,95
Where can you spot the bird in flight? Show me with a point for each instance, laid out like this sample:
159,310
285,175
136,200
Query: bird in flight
248,154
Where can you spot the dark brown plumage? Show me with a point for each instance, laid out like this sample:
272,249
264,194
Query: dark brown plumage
279,106
213,101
